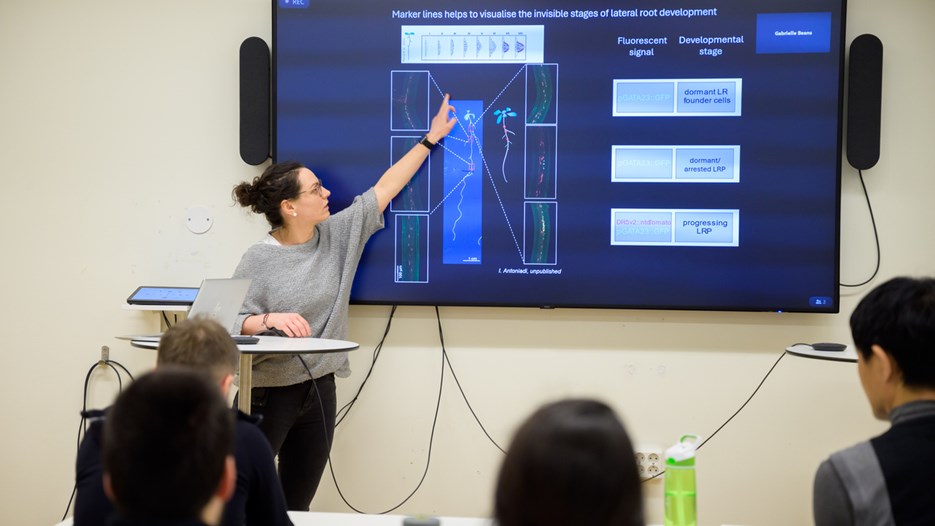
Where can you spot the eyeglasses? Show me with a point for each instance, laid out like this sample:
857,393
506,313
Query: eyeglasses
314,189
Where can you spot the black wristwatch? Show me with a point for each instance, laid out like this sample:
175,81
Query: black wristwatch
427,143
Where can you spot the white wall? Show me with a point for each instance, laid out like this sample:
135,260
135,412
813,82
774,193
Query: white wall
115,117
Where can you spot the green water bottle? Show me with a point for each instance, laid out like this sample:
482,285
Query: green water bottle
680,507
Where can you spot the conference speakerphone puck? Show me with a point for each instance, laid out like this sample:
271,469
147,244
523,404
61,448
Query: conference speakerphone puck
827,346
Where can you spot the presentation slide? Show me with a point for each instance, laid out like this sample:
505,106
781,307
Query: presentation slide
663,155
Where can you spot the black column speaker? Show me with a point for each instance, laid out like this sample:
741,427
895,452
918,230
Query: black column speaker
864,95
254,101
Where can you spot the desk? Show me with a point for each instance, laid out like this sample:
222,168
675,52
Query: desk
847,355
316,518
268,345
312,518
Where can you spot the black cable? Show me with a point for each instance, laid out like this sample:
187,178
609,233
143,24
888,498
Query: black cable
82,427
165,318
84,401
705,441
116,372
122,367
876,235
74,489
441,338
373,361
428,459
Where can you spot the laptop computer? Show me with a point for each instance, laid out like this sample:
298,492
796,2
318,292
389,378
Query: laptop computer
220,299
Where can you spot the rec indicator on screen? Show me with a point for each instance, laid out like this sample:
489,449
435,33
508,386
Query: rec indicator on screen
294,4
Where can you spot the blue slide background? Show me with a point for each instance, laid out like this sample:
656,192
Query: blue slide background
333,60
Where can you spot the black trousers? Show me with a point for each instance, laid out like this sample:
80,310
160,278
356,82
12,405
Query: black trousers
298,421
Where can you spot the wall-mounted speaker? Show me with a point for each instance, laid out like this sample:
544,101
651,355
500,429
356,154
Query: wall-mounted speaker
864,95
254,101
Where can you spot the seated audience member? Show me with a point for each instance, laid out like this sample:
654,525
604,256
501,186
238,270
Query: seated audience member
887,479
168,451
570,463
258,500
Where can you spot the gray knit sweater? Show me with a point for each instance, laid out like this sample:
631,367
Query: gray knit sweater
313,279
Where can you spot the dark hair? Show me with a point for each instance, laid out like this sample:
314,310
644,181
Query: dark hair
899,316
165,443
570,463
202,343
278,182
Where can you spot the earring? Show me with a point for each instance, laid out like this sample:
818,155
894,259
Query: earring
295,214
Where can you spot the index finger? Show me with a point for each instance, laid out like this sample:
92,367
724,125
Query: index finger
445,106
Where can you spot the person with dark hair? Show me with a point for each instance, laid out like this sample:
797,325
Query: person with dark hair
202,344
168,444
887,479
571,462
302,272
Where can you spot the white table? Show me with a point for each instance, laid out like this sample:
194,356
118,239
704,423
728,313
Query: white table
316,518
313,518
267,345
802,349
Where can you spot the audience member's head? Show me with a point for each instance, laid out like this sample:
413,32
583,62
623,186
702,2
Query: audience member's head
570,463
167,448
894,331
203,344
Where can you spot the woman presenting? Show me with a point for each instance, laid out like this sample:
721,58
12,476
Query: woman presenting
302,273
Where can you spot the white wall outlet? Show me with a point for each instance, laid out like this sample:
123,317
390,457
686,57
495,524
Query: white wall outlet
649,461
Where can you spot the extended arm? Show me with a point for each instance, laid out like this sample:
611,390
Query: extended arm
396,177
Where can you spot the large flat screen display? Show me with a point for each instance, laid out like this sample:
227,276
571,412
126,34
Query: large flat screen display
680,154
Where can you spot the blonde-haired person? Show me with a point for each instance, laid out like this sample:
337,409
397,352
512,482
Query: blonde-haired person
200,344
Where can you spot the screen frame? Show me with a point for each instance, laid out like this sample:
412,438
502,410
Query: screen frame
836,297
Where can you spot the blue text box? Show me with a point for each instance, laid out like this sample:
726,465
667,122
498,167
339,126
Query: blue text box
642,163
643,97
638,227
793,33
705,227
707,97
705,163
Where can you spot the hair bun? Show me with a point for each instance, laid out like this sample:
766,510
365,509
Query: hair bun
246,194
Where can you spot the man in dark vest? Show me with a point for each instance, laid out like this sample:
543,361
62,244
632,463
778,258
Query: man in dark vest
888,479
